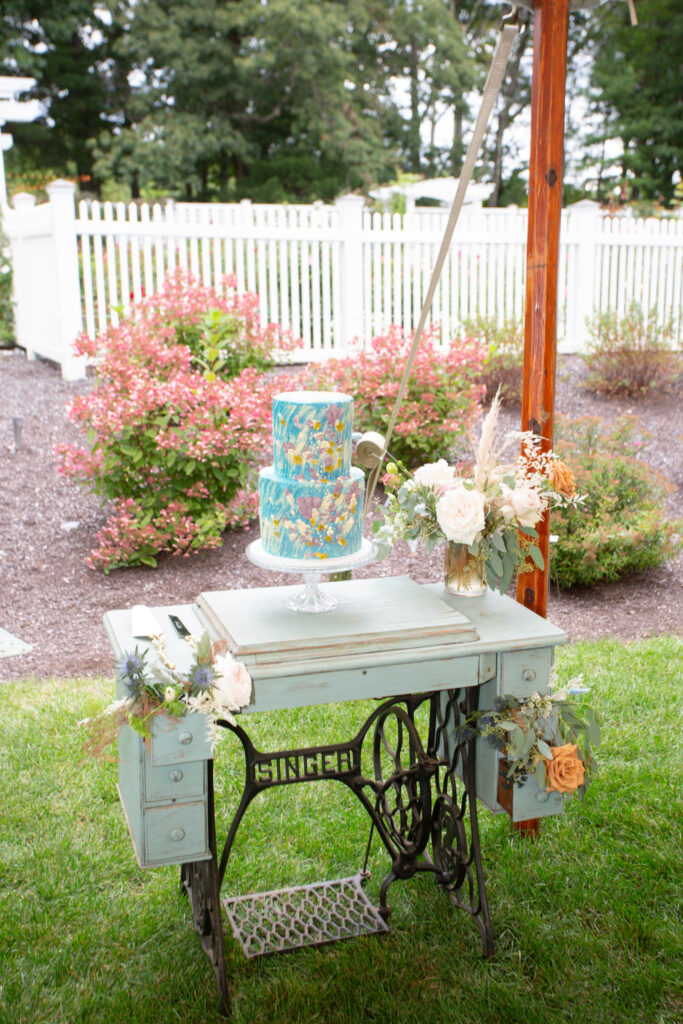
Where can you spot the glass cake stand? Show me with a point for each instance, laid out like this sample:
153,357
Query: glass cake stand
311,598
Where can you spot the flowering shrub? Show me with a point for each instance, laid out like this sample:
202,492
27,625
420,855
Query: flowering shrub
174,437
441,401
504,355
623,525
631,355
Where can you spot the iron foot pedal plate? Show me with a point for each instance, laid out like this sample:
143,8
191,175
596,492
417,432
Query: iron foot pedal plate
307,915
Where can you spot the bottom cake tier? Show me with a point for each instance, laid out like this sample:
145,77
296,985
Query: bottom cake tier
313,519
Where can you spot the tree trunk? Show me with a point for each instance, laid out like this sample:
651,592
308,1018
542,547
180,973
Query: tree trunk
414,130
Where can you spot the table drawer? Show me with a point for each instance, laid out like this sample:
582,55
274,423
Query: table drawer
173,782
179,739
522,673
528,801
176,834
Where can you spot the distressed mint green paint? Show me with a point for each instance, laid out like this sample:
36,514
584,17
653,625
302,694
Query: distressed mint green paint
386,637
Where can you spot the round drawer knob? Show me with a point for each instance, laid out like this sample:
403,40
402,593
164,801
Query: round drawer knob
185,738
542,796
528,675
175,775
177,834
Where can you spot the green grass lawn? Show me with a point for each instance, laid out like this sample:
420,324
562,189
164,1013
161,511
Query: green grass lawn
587,919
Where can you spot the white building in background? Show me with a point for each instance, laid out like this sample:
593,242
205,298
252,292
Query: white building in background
437,190
12,108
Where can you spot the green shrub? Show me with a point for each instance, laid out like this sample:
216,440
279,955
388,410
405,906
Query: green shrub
632,355
6,306
504,359
623,525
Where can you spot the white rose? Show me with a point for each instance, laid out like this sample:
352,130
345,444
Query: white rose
461,515
438,475
169,695
232,689
526,503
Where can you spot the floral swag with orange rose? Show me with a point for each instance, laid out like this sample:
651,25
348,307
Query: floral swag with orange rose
547,735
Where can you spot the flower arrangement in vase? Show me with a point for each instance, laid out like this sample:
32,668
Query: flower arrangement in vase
215,685
486,515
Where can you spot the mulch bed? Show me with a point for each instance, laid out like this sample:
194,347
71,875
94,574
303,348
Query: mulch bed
50,599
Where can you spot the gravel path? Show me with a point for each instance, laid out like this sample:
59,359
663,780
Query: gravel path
51,600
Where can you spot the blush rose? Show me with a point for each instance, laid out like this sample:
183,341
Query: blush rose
232,688
461,514
438,475
524,504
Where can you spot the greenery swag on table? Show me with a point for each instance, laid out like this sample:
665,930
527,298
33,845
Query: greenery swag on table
546,735
215,685
486,514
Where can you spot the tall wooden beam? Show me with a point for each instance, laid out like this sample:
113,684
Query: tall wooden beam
551,25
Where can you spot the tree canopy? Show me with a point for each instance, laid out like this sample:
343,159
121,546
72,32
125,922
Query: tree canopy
278,100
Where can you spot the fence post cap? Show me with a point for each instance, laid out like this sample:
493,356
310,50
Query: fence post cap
584,204
22,200
60,187
351,199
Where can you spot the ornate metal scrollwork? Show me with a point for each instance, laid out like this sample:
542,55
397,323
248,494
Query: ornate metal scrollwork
455,846
413,797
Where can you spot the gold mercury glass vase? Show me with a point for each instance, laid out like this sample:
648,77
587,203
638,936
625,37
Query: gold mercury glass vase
465,573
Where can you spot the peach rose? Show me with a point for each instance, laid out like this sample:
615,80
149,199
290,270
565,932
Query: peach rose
562,479
565,772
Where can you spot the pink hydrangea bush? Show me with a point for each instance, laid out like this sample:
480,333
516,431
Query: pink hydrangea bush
178,421
441,402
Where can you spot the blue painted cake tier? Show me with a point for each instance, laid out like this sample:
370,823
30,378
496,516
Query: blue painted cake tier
312,435
313,519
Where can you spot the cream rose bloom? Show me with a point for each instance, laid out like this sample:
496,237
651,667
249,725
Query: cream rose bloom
438,475
461,514
232,689
525,503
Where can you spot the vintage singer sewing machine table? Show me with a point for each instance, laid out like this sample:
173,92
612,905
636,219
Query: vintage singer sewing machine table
408,647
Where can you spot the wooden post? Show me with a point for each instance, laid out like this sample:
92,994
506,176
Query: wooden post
551,25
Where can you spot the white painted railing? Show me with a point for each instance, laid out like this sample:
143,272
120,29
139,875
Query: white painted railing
331,274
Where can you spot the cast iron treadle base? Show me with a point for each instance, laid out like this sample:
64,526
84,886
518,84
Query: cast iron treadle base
306,915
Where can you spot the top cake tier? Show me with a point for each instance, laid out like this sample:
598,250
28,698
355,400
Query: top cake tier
312,434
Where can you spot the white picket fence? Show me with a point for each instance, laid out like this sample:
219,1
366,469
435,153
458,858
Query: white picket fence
333,275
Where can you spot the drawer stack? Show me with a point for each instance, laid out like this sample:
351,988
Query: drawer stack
163,790
519,674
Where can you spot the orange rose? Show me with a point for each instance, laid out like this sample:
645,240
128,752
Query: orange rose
562,479
565,772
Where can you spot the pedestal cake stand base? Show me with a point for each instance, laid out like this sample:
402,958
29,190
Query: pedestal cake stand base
311,598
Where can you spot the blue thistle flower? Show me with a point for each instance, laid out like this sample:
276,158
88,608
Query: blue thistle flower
130,671
131,664
201,678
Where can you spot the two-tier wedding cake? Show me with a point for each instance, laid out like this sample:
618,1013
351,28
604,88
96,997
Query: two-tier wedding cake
311,498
